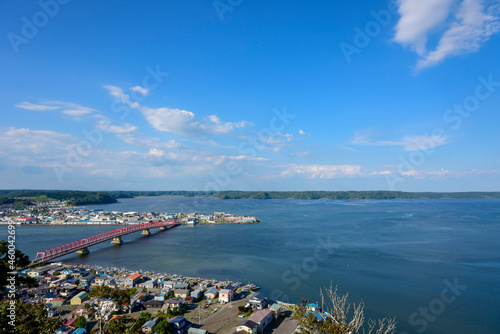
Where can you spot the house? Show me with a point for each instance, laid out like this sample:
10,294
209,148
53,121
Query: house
173,303
160,296
49,297
188,300
150,284
211,293
232,288
66,289
196,294
180,285
41,290
193,330
247,326
154,304
258,301
79,298
262,318
80,331
57,302
277,309
149,325
136,300
87,279
132,280
168,284
180,325
181,293
225,296
100,280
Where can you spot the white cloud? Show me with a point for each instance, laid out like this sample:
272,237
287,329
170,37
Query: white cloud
181,122
303,133
418,18
322,171
32,106
463,24
473,28
185,123
140,90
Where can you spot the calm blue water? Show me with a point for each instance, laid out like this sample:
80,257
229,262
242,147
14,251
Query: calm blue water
394,254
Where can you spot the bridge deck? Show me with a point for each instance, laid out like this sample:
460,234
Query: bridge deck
71,247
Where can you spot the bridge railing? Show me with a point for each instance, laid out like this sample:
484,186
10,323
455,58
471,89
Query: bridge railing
73,246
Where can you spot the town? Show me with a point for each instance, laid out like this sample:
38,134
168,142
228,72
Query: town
90,299
59,213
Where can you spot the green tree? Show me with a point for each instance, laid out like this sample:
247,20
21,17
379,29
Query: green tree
163,327
81,322
115,326
29,318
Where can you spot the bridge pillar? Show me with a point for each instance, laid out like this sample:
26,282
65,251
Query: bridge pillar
146,232
83,251
163,228
117,241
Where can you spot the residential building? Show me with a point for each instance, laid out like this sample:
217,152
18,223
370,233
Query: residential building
180,325
172,303
258,301
263,318
225,296
211,293
247,326
183,293
132,280
196,294
150,325
277,309
193,330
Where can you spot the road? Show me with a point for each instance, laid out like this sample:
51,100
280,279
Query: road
225,320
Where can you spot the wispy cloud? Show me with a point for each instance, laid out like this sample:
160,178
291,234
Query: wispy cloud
67,108
409,143
140,90
464,26
321,171
32,106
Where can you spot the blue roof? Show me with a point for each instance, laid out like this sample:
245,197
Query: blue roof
80,331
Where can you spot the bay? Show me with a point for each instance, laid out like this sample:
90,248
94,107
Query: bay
399,256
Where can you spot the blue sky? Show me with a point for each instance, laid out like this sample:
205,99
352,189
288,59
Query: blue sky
217,95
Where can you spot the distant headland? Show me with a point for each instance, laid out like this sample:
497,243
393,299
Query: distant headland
76,198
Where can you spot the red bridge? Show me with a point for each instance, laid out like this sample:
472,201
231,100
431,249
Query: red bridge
81,245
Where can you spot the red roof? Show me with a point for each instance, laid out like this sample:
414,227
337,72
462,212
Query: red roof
134,276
